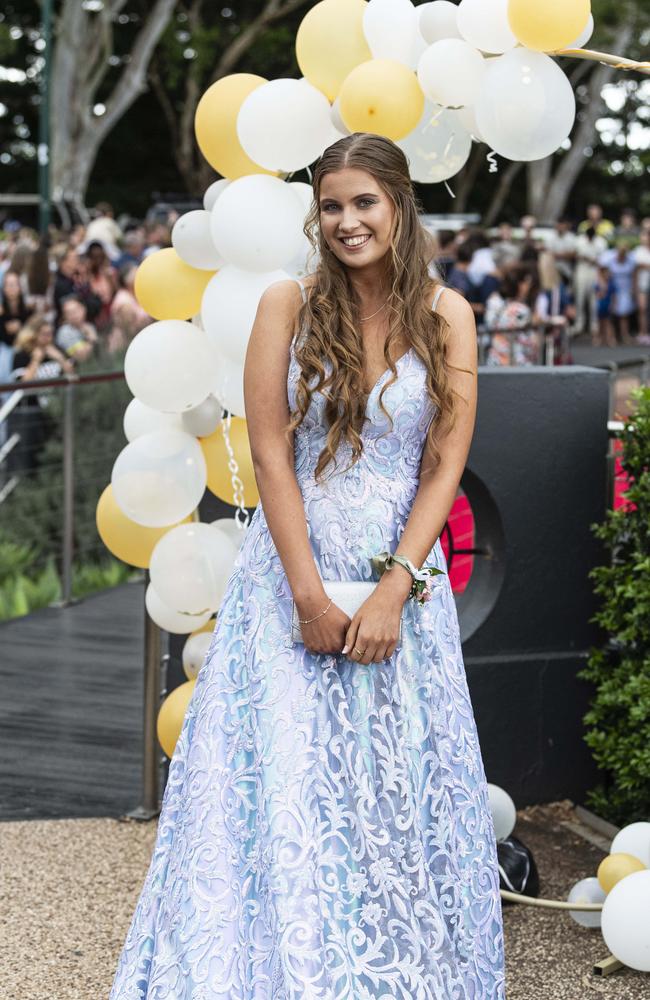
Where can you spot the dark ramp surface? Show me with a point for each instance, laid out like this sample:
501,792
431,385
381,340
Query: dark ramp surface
71,708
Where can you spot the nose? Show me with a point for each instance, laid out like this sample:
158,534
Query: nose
349,221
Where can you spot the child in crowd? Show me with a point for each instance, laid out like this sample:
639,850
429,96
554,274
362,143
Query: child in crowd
604,289
75,337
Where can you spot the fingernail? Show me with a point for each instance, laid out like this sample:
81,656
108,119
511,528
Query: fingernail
345,648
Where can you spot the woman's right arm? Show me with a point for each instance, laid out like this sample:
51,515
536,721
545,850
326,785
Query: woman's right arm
267,412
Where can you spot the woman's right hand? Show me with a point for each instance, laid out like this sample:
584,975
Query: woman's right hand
327,633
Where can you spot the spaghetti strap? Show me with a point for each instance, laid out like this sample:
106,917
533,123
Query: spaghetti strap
436,297
303,291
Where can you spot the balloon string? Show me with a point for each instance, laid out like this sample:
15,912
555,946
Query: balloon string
242,516
449,190
556,904
492,160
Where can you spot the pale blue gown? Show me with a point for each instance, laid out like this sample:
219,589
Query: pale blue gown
325,831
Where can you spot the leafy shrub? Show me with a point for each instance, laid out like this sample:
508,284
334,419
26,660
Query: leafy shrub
618,720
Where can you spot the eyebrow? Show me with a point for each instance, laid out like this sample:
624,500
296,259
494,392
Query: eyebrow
366,194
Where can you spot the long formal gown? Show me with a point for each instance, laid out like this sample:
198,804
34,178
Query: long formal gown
325,832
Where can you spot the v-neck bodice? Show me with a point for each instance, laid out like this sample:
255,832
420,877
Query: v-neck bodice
375,495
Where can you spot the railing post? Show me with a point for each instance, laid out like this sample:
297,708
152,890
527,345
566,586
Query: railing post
68,493
154,663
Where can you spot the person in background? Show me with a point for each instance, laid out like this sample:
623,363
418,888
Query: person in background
554,303
604,291
509,309
102,281
641,255
127,315
105,229
76,337
458,277
594,220
14,311
589,247
446,256
36,357
504,249
132,248
562,245
622,268
627,228
529,247
157,238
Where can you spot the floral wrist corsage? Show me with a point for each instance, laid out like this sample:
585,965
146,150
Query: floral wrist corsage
422,586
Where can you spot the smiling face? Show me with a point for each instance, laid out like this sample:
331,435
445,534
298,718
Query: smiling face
356,216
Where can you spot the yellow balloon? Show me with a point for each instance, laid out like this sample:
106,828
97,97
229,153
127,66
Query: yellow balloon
330,42
126,540
171,716
216,458
215,125
550,25
168,288
615,867
381,96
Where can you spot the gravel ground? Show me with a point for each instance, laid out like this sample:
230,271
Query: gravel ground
68,889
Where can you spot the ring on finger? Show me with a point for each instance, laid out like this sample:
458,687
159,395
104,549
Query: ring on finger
359,651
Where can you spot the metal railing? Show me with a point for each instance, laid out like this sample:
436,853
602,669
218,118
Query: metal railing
21,465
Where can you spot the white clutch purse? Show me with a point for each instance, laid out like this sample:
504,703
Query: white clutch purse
349,595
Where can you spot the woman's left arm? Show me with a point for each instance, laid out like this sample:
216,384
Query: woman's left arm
439,484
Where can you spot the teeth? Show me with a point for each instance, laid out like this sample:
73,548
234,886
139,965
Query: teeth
355,241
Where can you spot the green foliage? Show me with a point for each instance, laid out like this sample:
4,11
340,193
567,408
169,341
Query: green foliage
618,720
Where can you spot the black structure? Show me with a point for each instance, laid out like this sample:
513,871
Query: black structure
536,480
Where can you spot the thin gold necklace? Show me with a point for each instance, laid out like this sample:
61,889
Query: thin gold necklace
364,318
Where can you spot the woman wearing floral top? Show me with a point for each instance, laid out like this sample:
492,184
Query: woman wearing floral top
509,309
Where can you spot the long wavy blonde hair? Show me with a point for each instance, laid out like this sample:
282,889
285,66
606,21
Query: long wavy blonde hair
331,312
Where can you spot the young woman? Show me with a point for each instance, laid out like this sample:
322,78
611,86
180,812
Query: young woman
510,309
325,830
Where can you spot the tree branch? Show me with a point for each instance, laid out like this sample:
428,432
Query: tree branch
273,11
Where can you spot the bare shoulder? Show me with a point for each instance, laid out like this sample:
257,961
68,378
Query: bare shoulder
455,309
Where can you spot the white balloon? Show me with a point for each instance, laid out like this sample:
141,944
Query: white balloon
190,566
229,305
526,106
438,20
257,223
141,419
504,813
170,365
159,478
195,652
633,839
229,386
284,124
467,118
192,241
484,24
584,35
304,193
213,192
450,72
391,28
230,527
168,619
304,261
204,419
625,921
438,147
587,890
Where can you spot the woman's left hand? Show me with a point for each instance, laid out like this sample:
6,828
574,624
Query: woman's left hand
373,632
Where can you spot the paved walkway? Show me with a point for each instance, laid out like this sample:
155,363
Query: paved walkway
70,887
71,708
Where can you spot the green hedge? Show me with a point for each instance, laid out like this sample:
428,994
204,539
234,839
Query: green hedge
618,721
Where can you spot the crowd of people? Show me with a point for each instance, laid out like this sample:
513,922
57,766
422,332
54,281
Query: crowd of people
592,278
71,298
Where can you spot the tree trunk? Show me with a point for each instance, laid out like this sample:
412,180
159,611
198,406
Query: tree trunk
196,173
83,45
